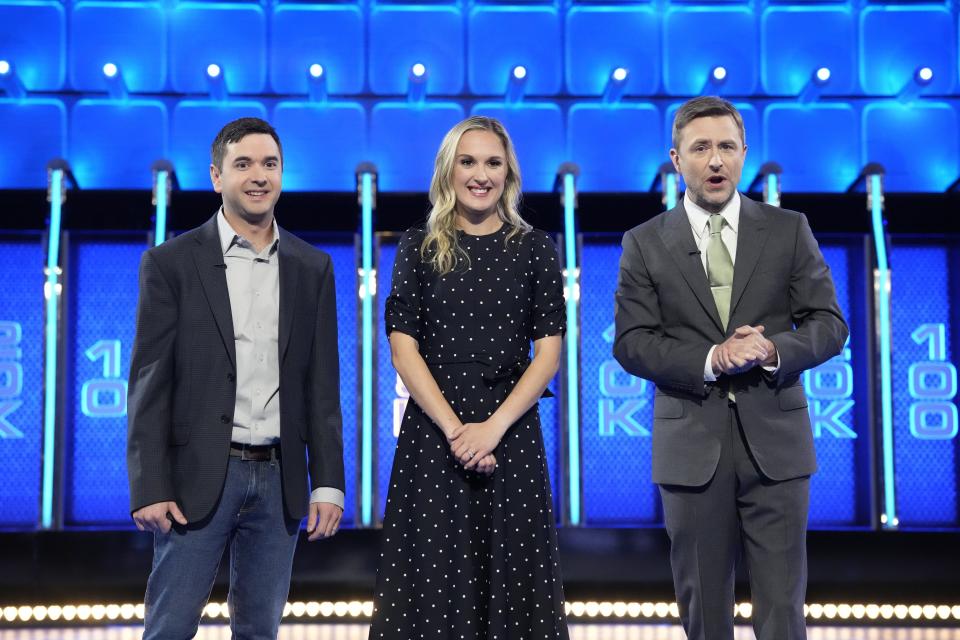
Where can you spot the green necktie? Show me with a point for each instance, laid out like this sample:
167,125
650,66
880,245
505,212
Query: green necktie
719,268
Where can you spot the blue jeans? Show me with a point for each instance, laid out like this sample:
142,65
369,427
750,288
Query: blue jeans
262,539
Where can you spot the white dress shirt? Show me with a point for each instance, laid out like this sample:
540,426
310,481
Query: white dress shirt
700,225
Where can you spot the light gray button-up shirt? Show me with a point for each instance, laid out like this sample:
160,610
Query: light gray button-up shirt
253,285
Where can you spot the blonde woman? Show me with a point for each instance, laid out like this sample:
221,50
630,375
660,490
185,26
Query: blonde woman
469,547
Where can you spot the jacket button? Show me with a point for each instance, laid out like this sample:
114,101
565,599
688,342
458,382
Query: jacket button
225,419
231,377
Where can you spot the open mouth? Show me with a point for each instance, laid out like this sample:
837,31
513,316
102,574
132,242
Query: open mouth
479,191
256,194
716,180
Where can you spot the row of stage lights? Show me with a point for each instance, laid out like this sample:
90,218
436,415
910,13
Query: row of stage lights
316,73
358,610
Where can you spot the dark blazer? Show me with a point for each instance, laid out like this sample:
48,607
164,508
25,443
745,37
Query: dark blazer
666,322
182,386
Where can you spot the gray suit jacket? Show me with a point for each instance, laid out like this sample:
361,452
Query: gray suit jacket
182,387
666,322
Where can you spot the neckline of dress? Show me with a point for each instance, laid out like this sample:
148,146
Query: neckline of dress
482,235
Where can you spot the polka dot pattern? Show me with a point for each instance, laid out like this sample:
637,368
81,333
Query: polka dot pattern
466,556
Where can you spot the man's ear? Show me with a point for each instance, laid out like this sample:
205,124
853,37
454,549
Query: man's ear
215,177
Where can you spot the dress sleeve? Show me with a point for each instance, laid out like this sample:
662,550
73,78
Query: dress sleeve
548,313
402,312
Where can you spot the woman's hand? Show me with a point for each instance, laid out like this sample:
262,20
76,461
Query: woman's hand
474,442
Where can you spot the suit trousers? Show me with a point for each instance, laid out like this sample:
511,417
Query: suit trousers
250,517
739,514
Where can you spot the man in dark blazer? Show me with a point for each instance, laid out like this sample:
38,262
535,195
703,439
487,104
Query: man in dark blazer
234,378
723,302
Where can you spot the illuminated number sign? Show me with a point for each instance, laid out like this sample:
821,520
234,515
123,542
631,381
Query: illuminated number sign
101,286
924,316
21,377
11,377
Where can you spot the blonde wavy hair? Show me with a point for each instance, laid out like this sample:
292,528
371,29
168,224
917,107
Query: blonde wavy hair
440,247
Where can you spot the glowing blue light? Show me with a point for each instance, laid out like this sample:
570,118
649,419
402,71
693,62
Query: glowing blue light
886,374
316,70
519,72
4,67
573,346
619,74
52,295
773,190
418,70
160,228
719,73
823,74
110,70
213,70
670,189
925,74
366,349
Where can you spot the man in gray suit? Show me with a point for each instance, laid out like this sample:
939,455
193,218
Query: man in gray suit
723,302
234,378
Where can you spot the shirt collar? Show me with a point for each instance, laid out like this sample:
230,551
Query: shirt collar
699,217
229,237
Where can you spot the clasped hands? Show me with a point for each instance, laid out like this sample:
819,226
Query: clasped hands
473,443
745,349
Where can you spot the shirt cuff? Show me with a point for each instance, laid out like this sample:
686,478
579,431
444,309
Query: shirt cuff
772,369
327,494
708,375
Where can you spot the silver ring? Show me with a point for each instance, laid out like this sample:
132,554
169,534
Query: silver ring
470,454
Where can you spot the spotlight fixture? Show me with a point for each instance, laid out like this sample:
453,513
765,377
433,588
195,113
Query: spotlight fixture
213,70
4,67
619,74
519,72
925,75
316,70
110,70
418,70
823,74
719,73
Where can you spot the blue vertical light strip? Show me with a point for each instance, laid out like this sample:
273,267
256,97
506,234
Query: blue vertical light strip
773,190
886,375
366,349
52,298
573,346
670,189
160,224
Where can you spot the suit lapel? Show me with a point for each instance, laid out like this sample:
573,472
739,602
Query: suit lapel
751,237
678,238
289,277
208,258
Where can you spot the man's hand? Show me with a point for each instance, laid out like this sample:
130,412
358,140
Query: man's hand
324,520
742,351
156,517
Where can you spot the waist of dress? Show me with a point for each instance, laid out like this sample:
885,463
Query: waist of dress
496,372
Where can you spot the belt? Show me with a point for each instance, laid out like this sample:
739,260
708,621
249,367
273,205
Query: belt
255,453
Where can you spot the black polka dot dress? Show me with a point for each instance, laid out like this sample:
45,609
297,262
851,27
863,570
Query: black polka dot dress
466,556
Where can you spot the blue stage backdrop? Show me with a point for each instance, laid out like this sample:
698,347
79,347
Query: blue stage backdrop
925,316
21,377
100,287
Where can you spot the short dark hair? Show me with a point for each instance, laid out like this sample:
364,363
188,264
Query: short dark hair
705,107
235,132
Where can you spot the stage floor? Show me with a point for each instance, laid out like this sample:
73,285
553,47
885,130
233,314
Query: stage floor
577,632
